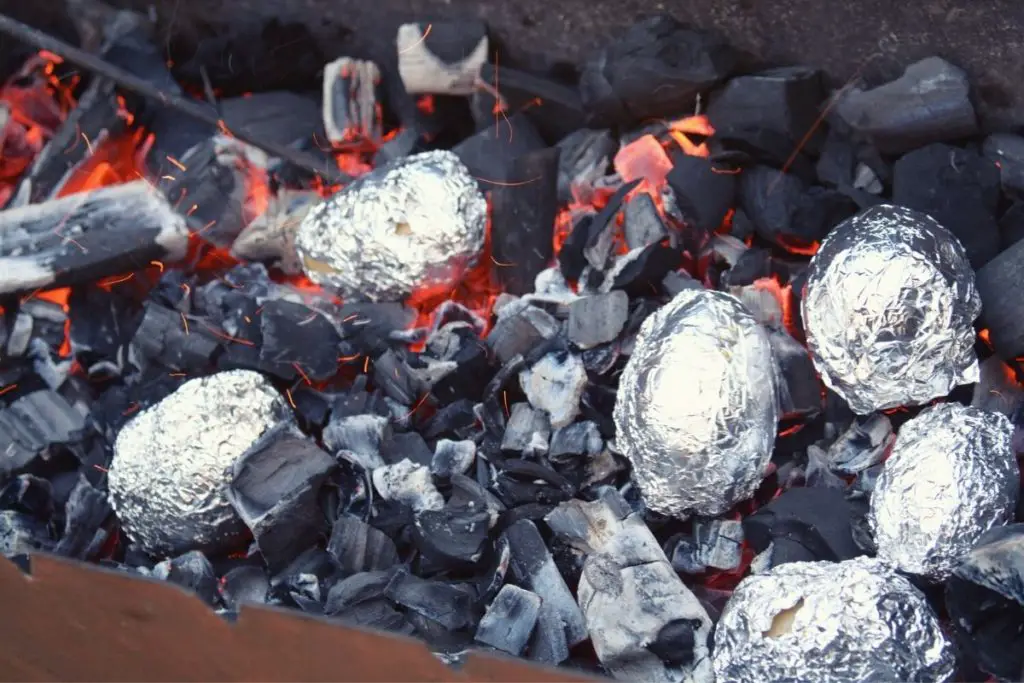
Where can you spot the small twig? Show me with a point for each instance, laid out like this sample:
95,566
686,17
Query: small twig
330,173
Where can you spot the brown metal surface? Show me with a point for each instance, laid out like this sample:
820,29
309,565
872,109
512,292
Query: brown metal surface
74,622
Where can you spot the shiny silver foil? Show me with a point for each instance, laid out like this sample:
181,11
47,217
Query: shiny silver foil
698,404
952,475
889,309
172,461
842,622
417,222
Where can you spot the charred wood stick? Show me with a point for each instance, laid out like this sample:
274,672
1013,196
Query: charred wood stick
38,39
86,236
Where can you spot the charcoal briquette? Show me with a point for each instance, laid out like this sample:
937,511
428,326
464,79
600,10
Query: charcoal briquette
597,319
247,584
85,512
358,547
509,620
193,571
452,457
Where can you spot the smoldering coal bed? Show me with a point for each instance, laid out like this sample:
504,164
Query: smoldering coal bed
248,348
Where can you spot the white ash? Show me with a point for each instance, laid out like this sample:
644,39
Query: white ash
452,457
551,282
358,438
528,431
555,384
408,483
719,543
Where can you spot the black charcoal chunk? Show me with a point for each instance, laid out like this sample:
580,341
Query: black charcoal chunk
490,154
297,342
585,156
805,525
1001,314
392,374
29,494
957,187
642,223
84,514
534,569
653,69
450,606
509,620
275,487
404,445
862,446
357,589
357,438
20,534
571,259
452,457
597,319
930,102
517,333
243,585
1011,225
455,534
527,431
985,598
377,614
597,249
704,192
1006,150
800,391
767,114
574,440
453,420
193,571
786,212
35,423
641,271
523,210
174,340
358,547
409,484
552,103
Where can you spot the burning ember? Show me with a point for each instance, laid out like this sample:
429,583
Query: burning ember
586,372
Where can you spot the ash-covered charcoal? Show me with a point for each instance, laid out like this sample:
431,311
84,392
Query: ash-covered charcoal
597,249
21,534
297,342
804,525
449,605
416,223
441,57
985,598
787,212
452,457
409,484
358,547
274,489
527,431
957,187
533,568
270,237
172,462
1006,151
509,620
653,69
863,445
555,384
642,224
703,190
243,585
880,627
930,102
701,450
350,95
575,440
85,513
950,463
888,309
519,332
585,156
174,340
641,271
456,534
719,543
357,438
522,211
32,425
597,318
86,236
191,570
767,114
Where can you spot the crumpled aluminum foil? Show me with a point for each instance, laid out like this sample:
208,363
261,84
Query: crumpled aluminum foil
830,622
889,309
698,404
416,222
172,462
952,475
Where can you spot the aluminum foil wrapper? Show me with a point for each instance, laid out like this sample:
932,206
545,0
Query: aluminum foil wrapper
172,462
952,475
417,222
828,622
698,404
889,309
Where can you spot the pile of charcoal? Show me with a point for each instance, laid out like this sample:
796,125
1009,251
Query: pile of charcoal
674,368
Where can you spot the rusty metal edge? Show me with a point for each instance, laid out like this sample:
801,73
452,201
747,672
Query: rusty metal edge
69,621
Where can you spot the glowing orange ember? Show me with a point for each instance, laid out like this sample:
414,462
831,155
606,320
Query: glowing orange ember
644,159
784,295
795,246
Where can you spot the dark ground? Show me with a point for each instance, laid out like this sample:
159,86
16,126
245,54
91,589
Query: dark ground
873,37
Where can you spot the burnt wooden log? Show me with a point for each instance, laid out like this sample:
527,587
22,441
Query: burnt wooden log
86,236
